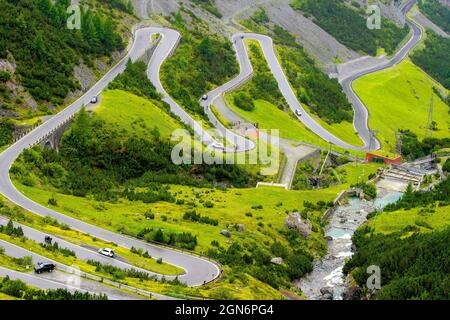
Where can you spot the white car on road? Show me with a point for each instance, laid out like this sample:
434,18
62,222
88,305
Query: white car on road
298,112
107,252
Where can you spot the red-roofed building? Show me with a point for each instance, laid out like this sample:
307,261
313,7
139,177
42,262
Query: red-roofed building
371,157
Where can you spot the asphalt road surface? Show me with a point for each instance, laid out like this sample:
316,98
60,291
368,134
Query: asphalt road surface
198,270
82,253
361,114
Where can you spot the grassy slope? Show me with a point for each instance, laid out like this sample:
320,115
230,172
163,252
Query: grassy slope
6,297
270,117
138,116
123,108
344,130
229,207
398,98
389,222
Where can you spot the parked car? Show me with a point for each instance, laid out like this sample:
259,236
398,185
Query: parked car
48,239
298,112
205,97
107,252
44,267
94,99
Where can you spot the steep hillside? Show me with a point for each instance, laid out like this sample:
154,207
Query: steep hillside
436,12
434,58
347,23
409,242
43,64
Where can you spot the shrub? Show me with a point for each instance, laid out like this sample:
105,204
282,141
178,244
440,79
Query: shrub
4,76
149,215
52,202
244,101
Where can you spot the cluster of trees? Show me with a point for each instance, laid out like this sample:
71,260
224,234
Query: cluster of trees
437,13
260,16
6,131
244,101
202,62
155,193
135,80
369,189
313,87
210,6
434,58
184,240
412,199
323,95
56,248
118,273
18,289
197,217
446,166
306,177
412,148
349,26
10,230
263,85
45,50
96,159
413,267
254,259
123,5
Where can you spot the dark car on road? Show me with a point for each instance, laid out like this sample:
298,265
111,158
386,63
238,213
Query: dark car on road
44,267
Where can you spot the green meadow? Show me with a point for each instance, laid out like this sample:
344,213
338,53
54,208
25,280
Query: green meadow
261,210
424,219
399,98
135,114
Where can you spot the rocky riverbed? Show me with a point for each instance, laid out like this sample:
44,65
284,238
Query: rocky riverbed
327,281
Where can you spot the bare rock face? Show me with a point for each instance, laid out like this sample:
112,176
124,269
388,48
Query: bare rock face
295,221
277,260
84,75
6,65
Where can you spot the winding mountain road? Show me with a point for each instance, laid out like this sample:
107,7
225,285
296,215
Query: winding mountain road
199,270
361,114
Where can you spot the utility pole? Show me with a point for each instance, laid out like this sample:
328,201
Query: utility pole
399,142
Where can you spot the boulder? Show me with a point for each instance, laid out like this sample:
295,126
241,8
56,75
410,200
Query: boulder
329,238
326,290
277,260
295,221
327,296
225,233
240,227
